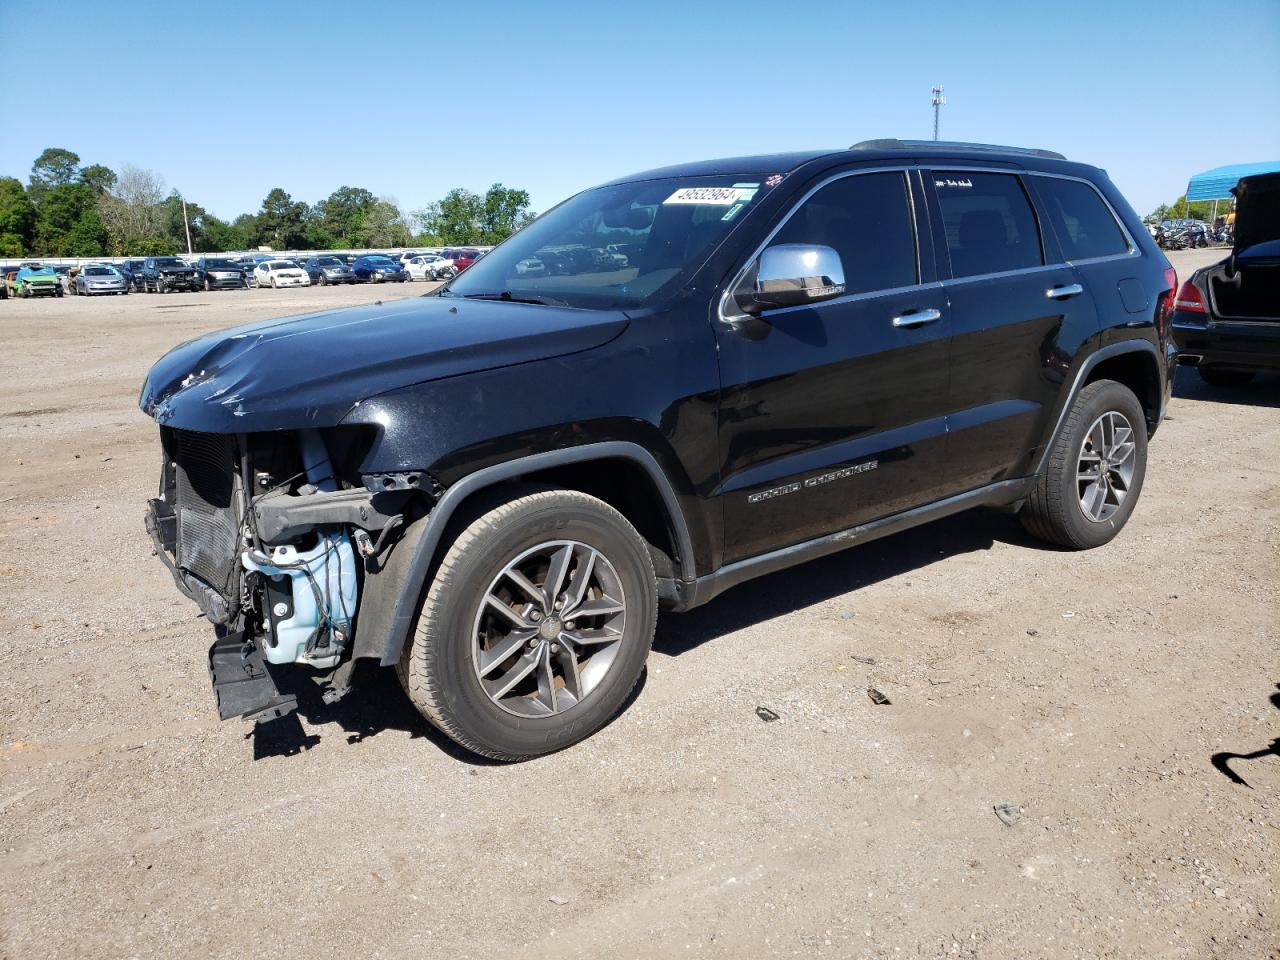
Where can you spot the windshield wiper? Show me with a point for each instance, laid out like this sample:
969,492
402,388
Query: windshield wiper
508,296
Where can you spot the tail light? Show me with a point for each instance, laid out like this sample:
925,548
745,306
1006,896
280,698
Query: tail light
1190,299
1164,303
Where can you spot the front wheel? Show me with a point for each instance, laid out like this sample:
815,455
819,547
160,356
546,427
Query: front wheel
1094,471
536,627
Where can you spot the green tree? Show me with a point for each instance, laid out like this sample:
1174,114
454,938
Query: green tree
17,218
282,221
455,219
54,167
98,178
504,211
221,236
68,223
342,216
463,217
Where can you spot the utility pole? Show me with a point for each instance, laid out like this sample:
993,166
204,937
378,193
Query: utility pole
187,226
938,101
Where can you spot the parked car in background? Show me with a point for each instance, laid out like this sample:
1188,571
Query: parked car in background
379,268
221,273
280,273
131,270
163,274
327,269
422,267
37,280
1226,318
461,258
97,278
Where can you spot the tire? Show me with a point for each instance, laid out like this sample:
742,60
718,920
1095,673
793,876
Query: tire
161,287
439,665
1217,377
1054,512
207,285
323,280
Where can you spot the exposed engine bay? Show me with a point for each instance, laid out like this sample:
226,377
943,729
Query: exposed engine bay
270,540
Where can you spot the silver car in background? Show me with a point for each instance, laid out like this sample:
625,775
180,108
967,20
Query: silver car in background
99,278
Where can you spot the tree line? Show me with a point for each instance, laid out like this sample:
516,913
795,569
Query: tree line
67,209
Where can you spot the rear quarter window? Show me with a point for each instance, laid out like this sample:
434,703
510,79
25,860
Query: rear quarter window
1081,220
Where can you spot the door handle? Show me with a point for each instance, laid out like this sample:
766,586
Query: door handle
1063,292
917,318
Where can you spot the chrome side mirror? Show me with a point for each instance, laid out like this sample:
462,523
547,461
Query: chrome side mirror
795,274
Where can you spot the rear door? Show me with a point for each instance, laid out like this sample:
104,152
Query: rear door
834,414
1018,314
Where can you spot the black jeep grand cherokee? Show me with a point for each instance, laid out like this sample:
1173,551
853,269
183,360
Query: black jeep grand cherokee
495,488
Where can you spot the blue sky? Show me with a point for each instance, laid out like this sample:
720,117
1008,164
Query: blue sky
410,100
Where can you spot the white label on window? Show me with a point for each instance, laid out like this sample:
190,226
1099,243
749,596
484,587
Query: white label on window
707,196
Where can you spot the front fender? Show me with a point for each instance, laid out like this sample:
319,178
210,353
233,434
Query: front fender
393,589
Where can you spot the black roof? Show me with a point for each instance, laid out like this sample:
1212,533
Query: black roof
885,149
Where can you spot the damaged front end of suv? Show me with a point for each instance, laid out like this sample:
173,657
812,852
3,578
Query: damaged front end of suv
266,534
299,465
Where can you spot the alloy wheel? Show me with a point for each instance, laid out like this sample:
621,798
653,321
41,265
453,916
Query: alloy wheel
1104,473
549,628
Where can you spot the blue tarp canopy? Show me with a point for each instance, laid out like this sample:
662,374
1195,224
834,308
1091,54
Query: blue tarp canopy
1216,184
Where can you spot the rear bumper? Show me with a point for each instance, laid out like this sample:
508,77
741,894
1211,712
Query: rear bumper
1228,344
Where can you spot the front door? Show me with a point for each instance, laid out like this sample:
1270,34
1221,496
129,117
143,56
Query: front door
835,414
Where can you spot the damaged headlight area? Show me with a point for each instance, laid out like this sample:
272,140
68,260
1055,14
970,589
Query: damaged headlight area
269,534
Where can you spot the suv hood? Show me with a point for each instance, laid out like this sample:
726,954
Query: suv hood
1257,217
309,371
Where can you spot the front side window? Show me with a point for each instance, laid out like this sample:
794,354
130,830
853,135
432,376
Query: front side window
613,247
866,218
989,222
1084,225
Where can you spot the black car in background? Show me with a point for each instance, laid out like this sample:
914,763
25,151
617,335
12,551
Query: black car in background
1226,318
162,274
221,273
131,270
379,268
327,269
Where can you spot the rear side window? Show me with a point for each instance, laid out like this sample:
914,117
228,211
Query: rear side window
989,223
1083,223
866,218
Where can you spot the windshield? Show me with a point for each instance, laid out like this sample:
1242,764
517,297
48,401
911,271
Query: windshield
219,264
616,246
97,272
379,260
282,265
329,262
169,262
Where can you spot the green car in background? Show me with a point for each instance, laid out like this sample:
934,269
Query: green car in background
37,280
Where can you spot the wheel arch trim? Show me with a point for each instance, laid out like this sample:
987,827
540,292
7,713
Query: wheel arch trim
410,589
1135,345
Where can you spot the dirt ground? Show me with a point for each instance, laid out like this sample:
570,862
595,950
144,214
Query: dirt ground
1091,691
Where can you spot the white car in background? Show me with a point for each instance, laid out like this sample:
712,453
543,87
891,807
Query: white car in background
280,273
423,266
442,268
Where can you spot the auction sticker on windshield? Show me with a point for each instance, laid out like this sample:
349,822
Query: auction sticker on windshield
707,196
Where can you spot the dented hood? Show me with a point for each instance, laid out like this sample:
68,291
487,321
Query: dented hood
309,371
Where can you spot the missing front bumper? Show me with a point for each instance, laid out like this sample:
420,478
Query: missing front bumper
242,685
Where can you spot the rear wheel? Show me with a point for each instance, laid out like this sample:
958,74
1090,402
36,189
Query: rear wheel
1217,377
535,628
1094,472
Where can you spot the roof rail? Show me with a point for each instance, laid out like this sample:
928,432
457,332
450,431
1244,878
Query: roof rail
895,144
